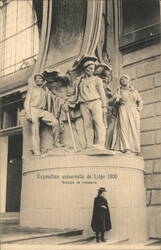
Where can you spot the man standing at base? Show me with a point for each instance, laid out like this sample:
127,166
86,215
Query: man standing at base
36,110
101,220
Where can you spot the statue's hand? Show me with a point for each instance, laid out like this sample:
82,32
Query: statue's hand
121,101
66,107
104,110
29,118
138,109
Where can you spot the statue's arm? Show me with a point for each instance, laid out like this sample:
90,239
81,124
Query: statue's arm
115,99
72,99
139,101
27,105
102,92
49,96
70,102
54,103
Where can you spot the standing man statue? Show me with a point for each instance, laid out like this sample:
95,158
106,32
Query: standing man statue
90,95
37,102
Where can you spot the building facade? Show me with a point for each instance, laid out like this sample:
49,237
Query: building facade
35,35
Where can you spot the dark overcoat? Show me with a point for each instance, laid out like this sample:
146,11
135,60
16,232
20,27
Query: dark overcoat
101,220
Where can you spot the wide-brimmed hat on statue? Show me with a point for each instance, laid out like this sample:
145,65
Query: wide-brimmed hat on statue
84,61
39,74
55,76
105,66
102,189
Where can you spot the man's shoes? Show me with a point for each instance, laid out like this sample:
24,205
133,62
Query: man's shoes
97,240
102,237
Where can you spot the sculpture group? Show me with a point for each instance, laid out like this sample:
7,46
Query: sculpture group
82,111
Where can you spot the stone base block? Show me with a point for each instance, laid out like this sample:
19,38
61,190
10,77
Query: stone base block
58,192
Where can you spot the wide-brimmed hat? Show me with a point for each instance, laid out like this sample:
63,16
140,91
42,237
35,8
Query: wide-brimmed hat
126,76
55,76
105,66
102,189
51,73
83,62
39,74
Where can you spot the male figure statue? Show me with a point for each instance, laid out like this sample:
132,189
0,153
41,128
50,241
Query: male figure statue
36,110
90,95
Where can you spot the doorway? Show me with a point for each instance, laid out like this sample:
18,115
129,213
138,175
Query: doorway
14,173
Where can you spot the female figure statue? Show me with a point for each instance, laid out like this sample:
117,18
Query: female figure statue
126,134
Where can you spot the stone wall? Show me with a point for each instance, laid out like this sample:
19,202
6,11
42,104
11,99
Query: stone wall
144,67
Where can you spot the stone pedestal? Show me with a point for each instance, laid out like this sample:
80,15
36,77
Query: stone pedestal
58,192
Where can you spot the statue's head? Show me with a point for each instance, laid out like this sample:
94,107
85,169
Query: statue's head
101,67
81,64
89,68
39,79
103,71
125,80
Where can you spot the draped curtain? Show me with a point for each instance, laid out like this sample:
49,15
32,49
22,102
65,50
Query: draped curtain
67,30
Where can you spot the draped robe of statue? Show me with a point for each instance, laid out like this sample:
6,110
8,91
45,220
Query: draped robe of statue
126,134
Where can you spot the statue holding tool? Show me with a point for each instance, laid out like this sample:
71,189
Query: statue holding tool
78,106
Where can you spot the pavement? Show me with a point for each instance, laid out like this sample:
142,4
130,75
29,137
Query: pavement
15,237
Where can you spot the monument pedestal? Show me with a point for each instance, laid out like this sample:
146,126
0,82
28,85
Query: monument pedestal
58,191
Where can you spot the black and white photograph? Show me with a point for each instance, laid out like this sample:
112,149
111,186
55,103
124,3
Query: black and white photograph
80,124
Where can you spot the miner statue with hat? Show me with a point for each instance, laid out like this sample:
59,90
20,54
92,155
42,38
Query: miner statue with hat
101,220
90,95
37,107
